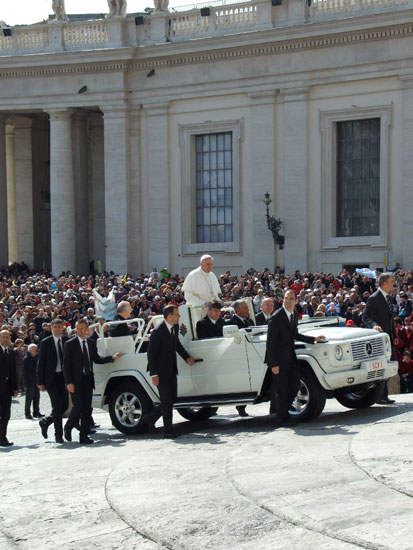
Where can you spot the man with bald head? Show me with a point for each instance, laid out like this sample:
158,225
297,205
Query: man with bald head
263,317
8,385
201,285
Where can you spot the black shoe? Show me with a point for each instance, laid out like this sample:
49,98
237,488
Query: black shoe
386,401
92,431
86,440
5,442
59,439
43,427
170,435
28,416
241,410
95,426
38,415
258,400
68,434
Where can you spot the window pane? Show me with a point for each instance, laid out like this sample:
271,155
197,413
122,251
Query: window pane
358,178
221,197
228,233
214,188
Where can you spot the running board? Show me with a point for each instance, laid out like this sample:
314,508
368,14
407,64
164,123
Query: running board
215,403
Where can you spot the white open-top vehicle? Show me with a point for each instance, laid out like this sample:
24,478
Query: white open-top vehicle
352,367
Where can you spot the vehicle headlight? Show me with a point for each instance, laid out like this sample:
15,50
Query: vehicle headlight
338,352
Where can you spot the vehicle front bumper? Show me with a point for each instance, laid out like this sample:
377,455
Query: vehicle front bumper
369,371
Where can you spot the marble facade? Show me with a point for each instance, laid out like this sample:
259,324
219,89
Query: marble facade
97,120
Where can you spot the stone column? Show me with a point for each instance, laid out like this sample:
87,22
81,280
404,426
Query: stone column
62,194
11,194
96,190
156,193
116,188
135,236
4,244
401,244
261,156
292,191
80,180
23,173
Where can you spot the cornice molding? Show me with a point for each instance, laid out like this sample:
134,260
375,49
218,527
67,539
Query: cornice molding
215,55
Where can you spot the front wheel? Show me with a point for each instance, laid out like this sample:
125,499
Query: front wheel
127,406
197,414
360,399
310,399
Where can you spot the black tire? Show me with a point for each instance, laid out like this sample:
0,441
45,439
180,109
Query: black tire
195,414
311,397
127,406
360,399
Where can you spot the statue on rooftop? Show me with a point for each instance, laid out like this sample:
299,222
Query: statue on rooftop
161,5
58,6
117,8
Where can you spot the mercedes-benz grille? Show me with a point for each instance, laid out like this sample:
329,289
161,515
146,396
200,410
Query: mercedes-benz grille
367,349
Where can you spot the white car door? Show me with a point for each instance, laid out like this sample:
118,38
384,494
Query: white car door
224,368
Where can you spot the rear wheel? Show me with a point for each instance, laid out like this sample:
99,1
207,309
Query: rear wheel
310,399
196,414
360,399
127,406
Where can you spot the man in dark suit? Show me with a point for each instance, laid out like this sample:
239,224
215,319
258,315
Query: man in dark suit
281,358
162,363
263,317
79,355
123,312
378,314
211,325
8,385
50,378
30,382
241,320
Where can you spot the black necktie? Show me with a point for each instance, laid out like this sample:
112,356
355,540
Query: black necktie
292,321
389,303
59,347
86,364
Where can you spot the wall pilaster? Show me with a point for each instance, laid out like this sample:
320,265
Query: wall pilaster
62,193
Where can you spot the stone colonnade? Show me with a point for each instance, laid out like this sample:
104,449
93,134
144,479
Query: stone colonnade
70,189
55,209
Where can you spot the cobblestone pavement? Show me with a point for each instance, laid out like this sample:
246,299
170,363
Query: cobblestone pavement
341,482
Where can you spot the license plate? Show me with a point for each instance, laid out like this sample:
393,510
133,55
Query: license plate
374,365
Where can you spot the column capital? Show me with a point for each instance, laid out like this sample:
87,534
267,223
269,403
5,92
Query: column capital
262,98
60,114
294,94
114,111
156,109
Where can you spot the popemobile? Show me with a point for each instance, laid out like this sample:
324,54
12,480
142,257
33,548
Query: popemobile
352,366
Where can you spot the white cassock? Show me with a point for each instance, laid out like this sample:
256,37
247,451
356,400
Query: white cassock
200,287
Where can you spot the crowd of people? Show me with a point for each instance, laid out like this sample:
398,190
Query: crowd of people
31,300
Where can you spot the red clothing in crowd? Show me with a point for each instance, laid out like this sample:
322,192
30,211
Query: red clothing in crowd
405,367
